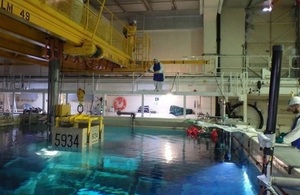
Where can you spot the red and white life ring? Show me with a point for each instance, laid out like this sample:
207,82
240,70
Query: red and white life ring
120,103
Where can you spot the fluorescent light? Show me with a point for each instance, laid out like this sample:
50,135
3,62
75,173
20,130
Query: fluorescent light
267,9
267,6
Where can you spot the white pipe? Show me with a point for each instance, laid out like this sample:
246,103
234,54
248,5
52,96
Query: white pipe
201,7
220,5
268,174
291,183
143,104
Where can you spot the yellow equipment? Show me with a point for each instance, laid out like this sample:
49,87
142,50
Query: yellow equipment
84,130
80,95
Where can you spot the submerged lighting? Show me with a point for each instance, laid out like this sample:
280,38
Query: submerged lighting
45,152
247,183
120,163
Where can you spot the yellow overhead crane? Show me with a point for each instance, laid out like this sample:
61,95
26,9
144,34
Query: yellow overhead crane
74,31
89,39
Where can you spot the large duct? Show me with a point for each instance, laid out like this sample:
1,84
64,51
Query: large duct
274,89
286,182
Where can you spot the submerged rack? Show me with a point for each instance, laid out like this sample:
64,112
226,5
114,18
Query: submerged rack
75,132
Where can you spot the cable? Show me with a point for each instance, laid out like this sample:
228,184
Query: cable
175,77
218,85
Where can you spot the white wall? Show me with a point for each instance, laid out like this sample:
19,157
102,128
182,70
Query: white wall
176,44
158,104
232,38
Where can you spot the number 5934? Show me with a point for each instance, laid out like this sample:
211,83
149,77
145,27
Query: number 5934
66,140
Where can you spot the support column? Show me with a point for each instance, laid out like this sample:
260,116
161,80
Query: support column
184,106
211,34
53,91
210,8
143,105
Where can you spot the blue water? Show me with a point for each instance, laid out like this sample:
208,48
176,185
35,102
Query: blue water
150,161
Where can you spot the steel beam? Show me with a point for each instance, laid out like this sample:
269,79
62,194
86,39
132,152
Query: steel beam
18,46
18,59
21,30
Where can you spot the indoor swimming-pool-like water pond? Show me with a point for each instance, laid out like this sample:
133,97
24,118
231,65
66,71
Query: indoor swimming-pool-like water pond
146,162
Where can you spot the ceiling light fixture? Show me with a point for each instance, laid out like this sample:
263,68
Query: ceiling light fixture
267,9
268,6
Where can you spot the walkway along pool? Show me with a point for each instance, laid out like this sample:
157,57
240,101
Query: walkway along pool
150,161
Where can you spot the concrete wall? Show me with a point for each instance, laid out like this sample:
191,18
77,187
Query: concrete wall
232,38
176,44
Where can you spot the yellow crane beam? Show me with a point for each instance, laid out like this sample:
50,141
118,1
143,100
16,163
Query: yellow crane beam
90,42
21,42
43,15
21,30
37,14
18,46
21,59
